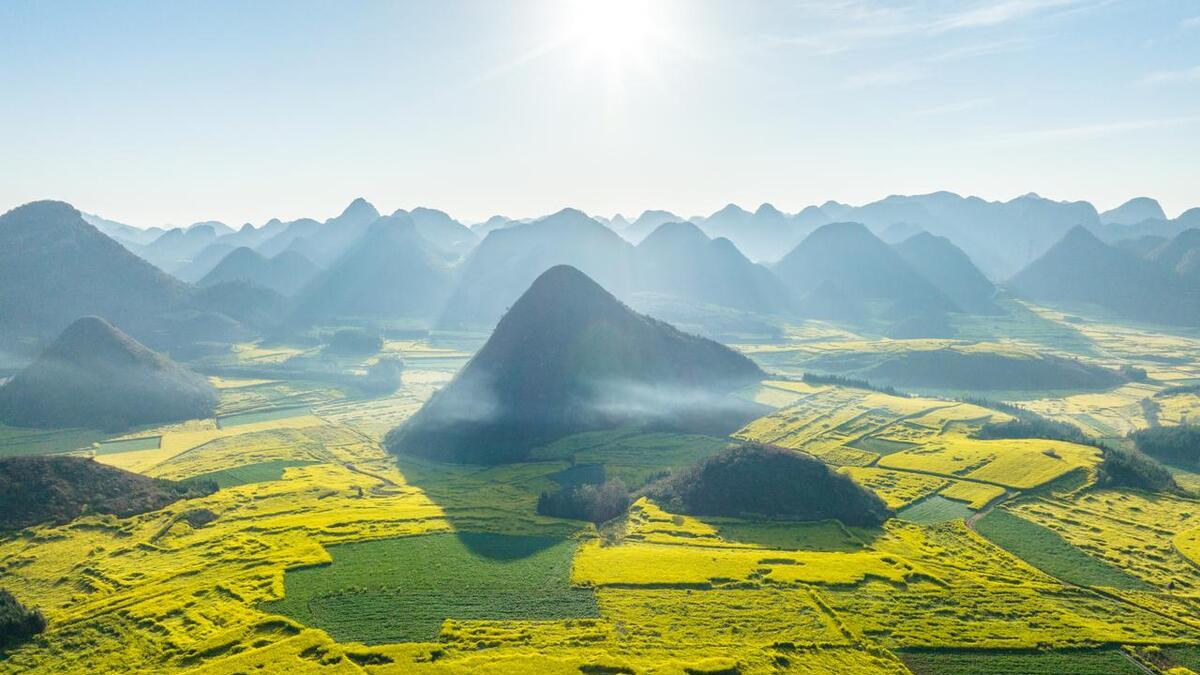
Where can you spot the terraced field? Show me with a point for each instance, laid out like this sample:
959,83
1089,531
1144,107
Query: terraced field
327,555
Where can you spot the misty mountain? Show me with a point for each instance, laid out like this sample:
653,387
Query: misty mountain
1140,246
493,223
390,273
569,357
441,231
1082,269
950,271
126,235
1180,255
203,262
1134,211
285,273
55,267
846,258
282,239
765,235
178,246
508,260
97,377
335,235
646,223
678,259
1000,237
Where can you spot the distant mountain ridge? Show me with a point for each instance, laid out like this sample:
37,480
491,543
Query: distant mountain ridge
1081,268
55,268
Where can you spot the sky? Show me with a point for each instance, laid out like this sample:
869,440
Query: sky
160,113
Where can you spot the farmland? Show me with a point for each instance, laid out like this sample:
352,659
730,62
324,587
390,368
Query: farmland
326,554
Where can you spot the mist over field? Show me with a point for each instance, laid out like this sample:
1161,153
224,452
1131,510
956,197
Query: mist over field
600,337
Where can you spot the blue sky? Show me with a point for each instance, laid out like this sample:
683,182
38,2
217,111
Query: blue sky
171,112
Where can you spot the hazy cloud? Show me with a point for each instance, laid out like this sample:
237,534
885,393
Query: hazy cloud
1188,24
957,107
1173,76
1088,131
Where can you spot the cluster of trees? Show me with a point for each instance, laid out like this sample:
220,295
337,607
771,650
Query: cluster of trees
384,376
60,488
354,341
1131,468
18,623
838,380
596,503
1177,445
762,481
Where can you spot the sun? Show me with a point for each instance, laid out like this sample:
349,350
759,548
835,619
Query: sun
614,33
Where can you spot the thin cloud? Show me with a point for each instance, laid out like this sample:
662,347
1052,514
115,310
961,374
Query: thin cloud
1189,24
1089,131
1173,76
886,77
994,14
957,107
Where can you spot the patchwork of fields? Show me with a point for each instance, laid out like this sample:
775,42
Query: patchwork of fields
324,554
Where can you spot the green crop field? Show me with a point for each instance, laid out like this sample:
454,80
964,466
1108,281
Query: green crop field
935,509
227,421
1047,551
20,441
397,590
250,473
143,443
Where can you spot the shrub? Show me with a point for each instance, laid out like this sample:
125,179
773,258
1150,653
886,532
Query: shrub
1180,444
596,503
354,341
17,623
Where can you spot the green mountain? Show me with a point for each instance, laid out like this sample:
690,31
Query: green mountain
390,273
55,267
949,269
569,357
849,258
58,489
95,376
1082,269
285,273
759,481
678,259
496,273
1180,254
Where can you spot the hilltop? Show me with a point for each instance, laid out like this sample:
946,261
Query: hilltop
758,481
508,260
95,376
392,272
950,270
679,259
284,273
569,357
848,257
58,489
1082,269
55,267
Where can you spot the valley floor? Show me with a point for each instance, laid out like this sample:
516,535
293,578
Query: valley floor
328,555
